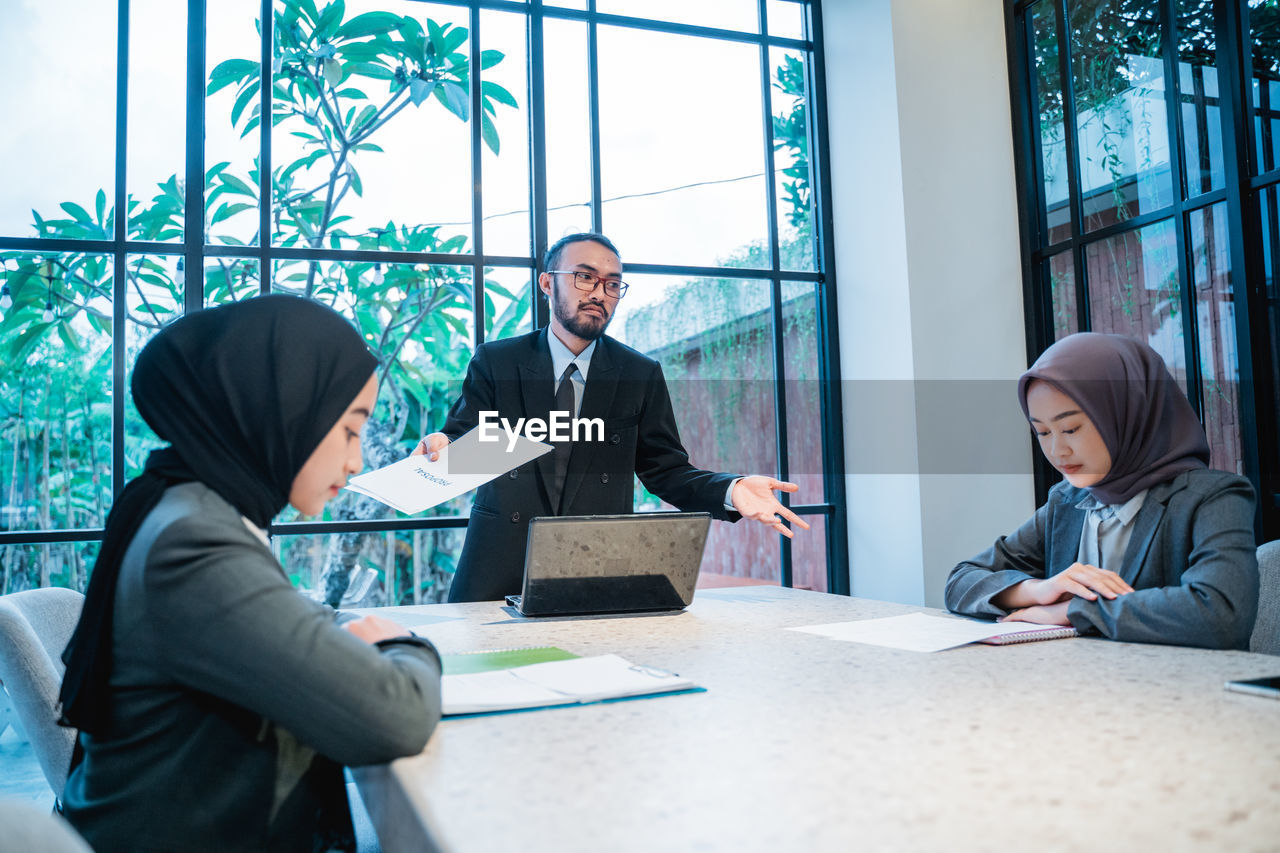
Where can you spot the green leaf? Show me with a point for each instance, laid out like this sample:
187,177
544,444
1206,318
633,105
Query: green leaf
236,185
452,40
378,50
415,41
454,244
490,58
436,33
229,210
242,101
417,390
420,90
488,132
349,92
23,343
356,185
369,69
456,99
80,214
366,115
308,8
332,72
492,286
493,91
100,204
226,73
301,163
330,18
368,24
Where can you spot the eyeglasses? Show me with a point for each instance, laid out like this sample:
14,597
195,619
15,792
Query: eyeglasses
586,282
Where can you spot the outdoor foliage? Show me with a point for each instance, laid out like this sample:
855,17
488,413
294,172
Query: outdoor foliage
336,83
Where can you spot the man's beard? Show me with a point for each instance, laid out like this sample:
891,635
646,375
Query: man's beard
583,327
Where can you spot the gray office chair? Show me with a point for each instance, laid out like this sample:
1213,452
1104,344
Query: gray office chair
24,827
35,626
1266,631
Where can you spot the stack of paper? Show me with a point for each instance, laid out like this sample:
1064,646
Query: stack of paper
415,484
558,682
920,632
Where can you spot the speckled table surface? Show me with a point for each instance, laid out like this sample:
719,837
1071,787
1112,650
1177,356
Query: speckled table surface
807,743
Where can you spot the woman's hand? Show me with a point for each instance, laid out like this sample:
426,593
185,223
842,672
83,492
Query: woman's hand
373,629
1080,580
1041,614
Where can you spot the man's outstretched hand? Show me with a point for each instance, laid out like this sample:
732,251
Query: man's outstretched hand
431,445
753,498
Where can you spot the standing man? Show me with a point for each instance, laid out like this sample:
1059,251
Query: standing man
573,366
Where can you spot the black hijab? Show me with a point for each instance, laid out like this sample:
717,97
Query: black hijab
1122,384
243,393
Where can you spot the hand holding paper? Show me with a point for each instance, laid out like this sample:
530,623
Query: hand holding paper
416,483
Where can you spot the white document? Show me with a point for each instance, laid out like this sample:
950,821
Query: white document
917,632
415,483
561,682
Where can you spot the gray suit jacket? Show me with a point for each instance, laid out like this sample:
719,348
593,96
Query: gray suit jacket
1191,562
234,698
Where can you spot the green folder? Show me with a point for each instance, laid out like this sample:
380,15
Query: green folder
466,663
462,663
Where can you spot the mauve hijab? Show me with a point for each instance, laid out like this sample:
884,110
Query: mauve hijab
1142,415
243,393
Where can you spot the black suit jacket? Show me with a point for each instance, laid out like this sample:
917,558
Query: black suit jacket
626,390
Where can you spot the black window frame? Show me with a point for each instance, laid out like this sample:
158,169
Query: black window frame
1258,416
194,251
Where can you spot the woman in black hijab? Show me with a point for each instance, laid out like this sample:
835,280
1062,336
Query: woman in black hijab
215,704
1141,542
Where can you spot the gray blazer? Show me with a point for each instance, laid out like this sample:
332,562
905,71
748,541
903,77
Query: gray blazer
234,698
1191,562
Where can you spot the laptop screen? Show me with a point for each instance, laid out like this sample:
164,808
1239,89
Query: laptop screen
613,563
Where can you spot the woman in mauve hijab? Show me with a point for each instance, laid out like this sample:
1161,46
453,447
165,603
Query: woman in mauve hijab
1141,542
215,704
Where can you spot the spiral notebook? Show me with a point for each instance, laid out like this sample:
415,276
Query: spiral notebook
925,632
1045,632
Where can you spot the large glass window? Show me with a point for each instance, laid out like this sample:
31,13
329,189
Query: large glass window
407,163
1148,203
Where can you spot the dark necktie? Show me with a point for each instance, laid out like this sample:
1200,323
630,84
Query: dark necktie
560,455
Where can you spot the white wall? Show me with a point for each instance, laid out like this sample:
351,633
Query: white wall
930,294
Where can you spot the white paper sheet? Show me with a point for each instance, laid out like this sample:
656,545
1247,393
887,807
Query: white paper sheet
415,483
588,679
917,632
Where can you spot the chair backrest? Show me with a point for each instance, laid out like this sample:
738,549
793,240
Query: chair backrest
1266,631
35,626
24,827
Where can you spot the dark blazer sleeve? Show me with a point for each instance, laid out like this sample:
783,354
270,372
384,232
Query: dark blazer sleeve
227,622
662,463
1209,597
1011,560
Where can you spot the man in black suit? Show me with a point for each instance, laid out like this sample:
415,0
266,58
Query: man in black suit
572,366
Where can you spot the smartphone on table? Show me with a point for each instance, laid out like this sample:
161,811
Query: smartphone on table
1269,687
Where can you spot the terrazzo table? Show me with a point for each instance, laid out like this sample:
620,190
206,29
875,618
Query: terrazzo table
806,743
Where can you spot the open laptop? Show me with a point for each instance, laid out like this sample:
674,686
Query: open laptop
579,564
